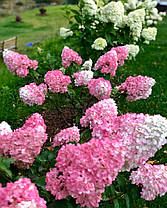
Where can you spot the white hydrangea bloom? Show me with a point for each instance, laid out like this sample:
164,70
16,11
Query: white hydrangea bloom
99,44
132,4
149,138
149,34
149,22
163,14
5,128
149,4
64,32
87,65
135,21
133,51
89,8
113,12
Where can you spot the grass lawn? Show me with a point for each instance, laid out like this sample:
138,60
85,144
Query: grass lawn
33,27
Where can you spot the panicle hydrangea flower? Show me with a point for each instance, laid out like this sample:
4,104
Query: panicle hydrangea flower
66,135
107,63
149,34
122,53
153,179
149,4
57,81
25,143
21,194
87,65
5,128
132,4
137,87
100,88
32,94
100,113
69,56
135,20
99,44
89,7
142,136
18,64
82,77
65,33
133,51
113,12
84,170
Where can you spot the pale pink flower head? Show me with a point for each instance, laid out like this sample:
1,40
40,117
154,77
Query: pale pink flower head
32,94
57,81
21,192
100,88
66,135
82,77
122,53
83,170
107,63
153,179
18,64
100,113
69,56
137,87
142,136
25,143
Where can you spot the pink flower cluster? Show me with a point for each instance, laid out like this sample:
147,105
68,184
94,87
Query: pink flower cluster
66,135
142,136
153,179
137,87
82,77
32,94
69,56
100,88
107,63
122,54
25,143
57,81
18,64
84,170
100,113
21,192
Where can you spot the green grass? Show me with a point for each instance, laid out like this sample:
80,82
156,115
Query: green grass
33,27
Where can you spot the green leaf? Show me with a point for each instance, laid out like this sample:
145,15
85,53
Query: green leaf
127,201
116,204
4,170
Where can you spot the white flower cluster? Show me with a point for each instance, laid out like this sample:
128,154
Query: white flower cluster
99,44
148,138
149,34
113,12
149,4
153,17
87,65
5,128
132,4
135,21
133,51
89,8
64,32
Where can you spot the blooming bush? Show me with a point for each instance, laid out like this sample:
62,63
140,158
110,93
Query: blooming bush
105,142
100,25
